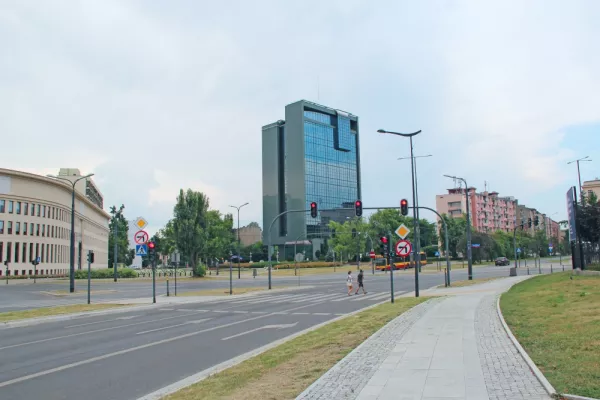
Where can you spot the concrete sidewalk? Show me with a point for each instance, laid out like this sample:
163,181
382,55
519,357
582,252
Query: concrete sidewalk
453,347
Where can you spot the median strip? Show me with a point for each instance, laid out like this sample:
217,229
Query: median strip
50,311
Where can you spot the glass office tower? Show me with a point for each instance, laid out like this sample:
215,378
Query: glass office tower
311,156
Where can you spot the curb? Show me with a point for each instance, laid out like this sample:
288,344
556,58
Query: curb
133,307
536,371
200,376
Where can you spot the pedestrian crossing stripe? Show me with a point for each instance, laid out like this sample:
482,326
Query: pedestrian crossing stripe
305,298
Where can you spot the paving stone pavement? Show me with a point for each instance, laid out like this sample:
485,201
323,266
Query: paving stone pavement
507,375
346,379
447,348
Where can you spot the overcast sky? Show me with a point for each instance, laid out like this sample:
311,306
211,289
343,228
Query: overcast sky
153,96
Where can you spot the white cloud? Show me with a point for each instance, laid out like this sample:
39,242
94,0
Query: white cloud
154,97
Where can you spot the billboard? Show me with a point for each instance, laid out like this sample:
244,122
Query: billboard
571,195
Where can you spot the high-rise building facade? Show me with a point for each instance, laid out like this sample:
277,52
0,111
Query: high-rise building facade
311,156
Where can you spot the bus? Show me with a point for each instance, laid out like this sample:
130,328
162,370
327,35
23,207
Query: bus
400,263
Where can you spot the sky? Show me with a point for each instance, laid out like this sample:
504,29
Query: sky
154,96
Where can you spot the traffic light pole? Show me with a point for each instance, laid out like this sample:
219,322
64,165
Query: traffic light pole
89,275
153,281
390,254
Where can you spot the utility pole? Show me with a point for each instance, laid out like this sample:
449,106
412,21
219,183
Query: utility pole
238,237
469,255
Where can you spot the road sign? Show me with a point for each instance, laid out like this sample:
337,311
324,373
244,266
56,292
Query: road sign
437,253
402,231
475,245
141,237
403,248
372,254
38,259
518,250
141,249
141,223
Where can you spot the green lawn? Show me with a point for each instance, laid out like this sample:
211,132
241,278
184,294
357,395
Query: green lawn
557,320
287,370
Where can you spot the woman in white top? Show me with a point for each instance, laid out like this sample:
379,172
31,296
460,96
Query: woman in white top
349,283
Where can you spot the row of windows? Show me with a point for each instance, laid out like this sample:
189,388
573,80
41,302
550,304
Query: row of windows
27,252
33,272
43,211
32,229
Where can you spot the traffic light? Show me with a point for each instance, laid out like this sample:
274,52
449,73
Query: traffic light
313,209
536,221
353,232
404,207
383,245
529,222
151,250
358,208
90,257
6,262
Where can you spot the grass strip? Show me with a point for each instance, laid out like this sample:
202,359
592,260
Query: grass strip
287,370
556,319
50,311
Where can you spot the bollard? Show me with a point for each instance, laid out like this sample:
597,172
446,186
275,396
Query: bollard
527,270
551,270
167,287
445,278
563,267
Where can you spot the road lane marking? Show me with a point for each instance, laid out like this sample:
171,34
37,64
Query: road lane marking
301,313
166,309
125,351
105,320
86,333
174,326
321,313
239,312
278,327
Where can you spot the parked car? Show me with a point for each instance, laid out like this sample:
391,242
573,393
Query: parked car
500,261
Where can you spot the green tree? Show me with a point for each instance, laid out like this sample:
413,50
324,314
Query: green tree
589,219
125,255
219,236
190,224
344,243
457,228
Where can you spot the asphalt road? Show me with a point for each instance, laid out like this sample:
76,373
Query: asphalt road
128,355
22,296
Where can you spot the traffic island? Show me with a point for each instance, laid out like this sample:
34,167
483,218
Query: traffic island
52,311
555,318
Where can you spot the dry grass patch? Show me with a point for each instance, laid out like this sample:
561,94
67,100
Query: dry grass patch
49,311
285,371
556,320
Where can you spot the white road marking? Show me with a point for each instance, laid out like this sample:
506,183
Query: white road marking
86,333
105,320
321,313
240,312
125,351
301,313
174,326
282,326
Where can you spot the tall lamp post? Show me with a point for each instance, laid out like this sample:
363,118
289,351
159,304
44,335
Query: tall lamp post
414,193
586,159
72,262
238,235
469,258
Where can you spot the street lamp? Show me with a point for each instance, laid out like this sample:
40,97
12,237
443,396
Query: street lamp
72,266
469,258
238,234
415,209
586,158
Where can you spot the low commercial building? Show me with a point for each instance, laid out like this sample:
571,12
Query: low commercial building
35,221
590,187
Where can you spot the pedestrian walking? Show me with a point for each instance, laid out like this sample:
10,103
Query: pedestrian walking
360,279
349,283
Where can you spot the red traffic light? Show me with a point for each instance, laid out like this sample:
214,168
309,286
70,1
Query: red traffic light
358,209
404,207
313,209
403,202
151,245
383,239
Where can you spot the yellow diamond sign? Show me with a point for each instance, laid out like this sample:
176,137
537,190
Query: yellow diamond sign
402,231
141,223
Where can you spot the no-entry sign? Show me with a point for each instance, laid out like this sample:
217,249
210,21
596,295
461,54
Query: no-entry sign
372,254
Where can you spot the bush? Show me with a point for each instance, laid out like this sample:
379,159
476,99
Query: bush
106,273
200,271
